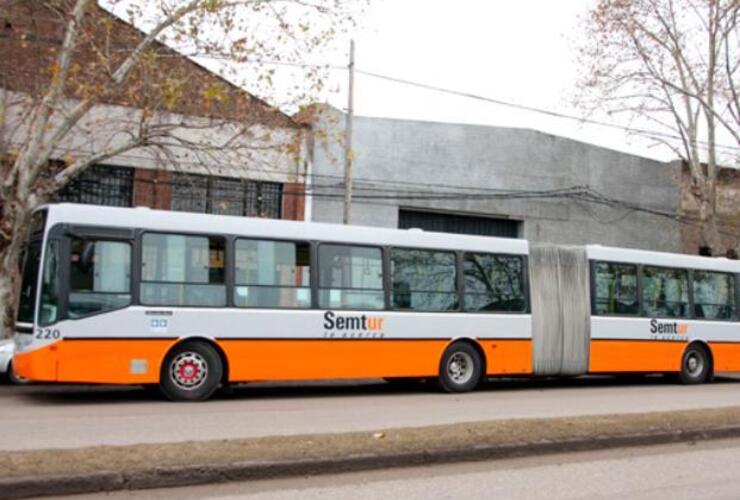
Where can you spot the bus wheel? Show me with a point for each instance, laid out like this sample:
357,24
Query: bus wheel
191,371
461,368
696,367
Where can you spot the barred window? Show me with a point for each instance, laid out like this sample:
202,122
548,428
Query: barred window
100,185
226,196
190,193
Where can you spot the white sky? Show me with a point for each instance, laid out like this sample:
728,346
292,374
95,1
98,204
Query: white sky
523,51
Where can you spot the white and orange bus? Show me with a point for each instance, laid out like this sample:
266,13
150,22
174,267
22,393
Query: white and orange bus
192,302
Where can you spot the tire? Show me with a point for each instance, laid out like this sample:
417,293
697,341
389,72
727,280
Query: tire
14,379
696,365
461,368
191,371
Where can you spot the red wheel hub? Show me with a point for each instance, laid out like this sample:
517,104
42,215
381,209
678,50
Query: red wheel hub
188,370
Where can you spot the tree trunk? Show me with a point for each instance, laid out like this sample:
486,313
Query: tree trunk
709,228
9,284
10,277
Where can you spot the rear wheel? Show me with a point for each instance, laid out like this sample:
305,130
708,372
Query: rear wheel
696,366
461,368
191,371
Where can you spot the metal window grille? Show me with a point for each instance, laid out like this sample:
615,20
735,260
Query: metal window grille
100,185
226,196
264,199
190,193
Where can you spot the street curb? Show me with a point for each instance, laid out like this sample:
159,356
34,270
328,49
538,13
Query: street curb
166,477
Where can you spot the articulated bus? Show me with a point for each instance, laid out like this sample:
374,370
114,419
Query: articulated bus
192,302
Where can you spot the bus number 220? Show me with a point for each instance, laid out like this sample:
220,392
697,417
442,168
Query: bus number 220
47,334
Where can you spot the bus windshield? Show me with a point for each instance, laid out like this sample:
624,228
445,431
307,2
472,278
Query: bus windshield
30,264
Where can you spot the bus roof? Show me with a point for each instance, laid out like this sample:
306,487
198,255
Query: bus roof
186,222
665,259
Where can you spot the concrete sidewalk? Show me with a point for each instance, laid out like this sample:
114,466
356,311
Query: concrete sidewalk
81,416
107,468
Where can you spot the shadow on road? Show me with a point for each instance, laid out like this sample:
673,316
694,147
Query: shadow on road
97,394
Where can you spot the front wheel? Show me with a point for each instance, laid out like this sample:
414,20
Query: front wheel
14,378
696,367
192,371
461,368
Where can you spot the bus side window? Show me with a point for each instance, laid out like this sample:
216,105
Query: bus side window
99,276
665,292
493,282
350,277
615,289
180,270
424,280
272,274
714,295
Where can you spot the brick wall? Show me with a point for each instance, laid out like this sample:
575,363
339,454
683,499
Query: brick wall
31,34
728,209
294,201
153,189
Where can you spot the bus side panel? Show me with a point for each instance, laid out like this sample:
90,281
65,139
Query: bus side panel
326,359
726,356
39,365
608,356
513,357
111,361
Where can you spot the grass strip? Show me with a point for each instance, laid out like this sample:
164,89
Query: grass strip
144,457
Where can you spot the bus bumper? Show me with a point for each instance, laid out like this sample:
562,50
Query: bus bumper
39,365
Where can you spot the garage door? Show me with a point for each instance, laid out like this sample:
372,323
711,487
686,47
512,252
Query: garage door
455,223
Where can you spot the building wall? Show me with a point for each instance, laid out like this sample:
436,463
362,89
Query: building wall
728,211
440,157
266,145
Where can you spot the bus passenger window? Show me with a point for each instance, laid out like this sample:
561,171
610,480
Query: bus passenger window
714,295
493,283
616,289
272,274
350,277
423,280
179,270
665,292
99,276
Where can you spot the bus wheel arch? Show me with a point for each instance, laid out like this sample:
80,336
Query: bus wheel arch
193,369
697,363
468,352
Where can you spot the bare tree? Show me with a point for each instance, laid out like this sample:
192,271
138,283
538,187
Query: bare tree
101,88
673,64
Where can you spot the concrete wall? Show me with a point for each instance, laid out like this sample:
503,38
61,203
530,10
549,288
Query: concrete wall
429,156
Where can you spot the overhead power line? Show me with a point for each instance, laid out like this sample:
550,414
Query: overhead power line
533,109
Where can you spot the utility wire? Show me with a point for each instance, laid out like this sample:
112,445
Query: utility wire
533,109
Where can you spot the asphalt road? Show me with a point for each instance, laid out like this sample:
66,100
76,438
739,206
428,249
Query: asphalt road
35,417
706,470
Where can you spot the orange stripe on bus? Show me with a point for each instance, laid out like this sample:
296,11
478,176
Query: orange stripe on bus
508,357
635,356
107,361
327,359
726,356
